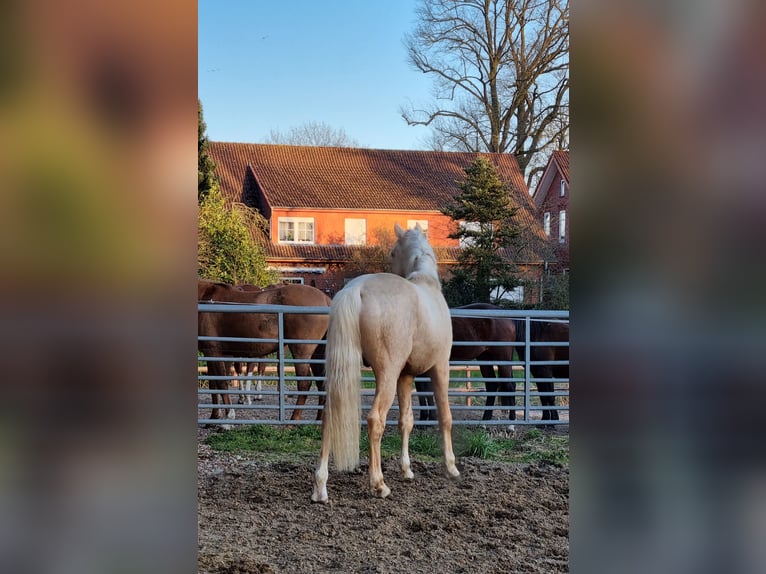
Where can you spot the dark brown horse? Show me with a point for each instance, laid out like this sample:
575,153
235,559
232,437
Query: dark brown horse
497,329
542,330
480,329
261,326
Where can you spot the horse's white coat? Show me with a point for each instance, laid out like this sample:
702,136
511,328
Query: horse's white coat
399,324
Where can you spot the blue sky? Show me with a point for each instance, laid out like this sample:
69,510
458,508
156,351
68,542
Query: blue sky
265,64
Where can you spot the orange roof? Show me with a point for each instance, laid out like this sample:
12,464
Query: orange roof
352,178
311,177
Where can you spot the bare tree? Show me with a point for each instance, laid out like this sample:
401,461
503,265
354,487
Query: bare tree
501,75
313,134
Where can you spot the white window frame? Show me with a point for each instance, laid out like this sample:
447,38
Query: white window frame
355,237
562,226
547,223
423,224
297,232
562,191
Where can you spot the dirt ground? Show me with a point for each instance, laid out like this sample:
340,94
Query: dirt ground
256,516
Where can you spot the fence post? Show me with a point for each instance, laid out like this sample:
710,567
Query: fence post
527,367
281,356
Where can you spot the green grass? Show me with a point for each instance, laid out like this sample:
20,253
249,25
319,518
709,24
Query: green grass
280,443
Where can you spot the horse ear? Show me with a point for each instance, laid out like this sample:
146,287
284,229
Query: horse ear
417,226
398,230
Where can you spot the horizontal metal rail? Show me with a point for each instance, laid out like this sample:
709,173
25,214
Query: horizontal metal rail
280,391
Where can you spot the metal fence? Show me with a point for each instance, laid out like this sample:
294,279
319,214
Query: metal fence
275,401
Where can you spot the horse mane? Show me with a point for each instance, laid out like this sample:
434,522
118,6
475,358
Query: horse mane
425,263
421,259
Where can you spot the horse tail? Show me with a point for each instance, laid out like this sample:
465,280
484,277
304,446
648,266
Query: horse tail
343,406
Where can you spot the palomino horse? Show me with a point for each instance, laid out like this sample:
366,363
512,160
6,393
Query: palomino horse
479,330
399,324
261,326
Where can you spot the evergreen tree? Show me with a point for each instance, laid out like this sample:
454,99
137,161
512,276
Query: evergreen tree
484,213
205,165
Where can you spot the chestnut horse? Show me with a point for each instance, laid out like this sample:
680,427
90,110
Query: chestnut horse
261,326
204,288
480,330
399,324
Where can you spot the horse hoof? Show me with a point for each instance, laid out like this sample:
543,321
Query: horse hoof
408,474
382,492
453,473
319,498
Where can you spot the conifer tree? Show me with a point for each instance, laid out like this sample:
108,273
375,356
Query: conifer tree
484,213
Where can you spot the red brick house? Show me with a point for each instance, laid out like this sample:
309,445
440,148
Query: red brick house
327,206
551,198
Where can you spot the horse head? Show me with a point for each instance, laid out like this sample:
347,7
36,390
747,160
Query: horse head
412,253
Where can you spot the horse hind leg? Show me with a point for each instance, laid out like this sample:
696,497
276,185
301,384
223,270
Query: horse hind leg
322,472
427,412
318,370
509,386
440,380
219,369
406,422
490,385
376,424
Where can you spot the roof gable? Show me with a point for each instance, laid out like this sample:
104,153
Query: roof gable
557,163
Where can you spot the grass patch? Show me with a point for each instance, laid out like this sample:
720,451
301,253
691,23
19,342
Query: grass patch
298,440
525,446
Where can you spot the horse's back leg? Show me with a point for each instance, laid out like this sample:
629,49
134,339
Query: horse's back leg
509,386
302,370
425,400
322,472
220,369
440,380
385,390
490,386
318,370
406,421
546,372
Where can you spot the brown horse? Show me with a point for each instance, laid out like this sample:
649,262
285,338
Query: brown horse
541,330
204,289
480,330
399,324
261,326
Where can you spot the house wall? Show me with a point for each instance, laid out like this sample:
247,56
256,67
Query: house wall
554,203
329,226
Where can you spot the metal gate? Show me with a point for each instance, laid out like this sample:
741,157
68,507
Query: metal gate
467,392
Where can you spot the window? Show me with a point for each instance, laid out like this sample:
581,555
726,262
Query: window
515,295
547,223
562,226
356,231
296,230
563,189
474,226
291,280
423,224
